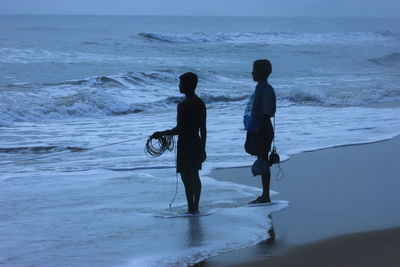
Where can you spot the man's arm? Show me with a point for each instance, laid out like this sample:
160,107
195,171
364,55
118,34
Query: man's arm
203,131
173,131
257,109
269,102
203,126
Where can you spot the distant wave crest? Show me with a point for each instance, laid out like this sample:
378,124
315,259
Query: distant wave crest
288,38
38,149
26,56
330,98
391,60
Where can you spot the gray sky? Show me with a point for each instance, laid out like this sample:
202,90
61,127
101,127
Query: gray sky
315,8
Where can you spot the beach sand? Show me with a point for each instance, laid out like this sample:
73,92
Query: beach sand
333,194
375,248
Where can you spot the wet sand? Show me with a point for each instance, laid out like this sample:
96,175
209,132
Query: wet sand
333,193
374,248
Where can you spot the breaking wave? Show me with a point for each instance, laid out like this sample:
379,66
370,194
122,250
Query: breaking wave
208,99
79,105
287,38
336,98
126,80
300,97
86,104
391,60
135,92
100,96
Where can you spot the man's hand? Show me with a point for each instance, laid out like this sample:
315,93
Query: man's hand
156,135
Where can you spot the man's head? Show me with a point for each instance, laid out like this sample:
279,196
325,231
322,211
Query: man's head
187,82
262,68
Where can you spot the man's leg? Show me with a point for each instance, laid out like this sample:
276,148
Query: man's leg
188,183
264,144
197,190
266,179
267,138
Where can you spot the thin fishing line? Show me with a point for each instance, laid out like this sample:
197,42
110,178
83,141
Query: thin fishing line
66,152
176,186
280,174
274,129
155,147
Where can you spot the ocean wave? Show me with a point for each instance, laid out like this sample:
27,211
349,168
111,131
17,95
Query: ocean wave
208,99
288,38
90,43
134,92
25,56
39,149
32,108
337,98
84,105
125,80
98,96
94,82
130,80
301,97
391,60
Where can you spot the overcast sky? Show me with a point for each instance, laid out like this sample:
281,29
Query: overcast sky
315,8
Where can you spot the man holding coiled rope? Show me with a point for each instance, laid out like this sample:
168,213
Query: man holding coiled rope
191,121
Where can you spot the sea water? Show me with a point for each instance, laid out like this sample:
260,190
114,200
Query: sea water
71,83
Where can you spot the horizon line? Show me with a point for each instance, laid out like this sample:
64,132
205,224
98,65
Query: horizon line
202,15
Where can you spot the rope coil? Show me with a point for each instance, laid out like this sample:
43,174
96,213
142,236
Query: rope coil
155,147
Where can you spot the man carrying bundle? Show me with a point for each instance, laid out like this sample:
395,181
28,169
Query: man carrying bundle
257,119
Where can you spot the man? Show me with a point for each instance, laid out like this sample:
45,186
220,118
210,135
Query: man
263,108
191,120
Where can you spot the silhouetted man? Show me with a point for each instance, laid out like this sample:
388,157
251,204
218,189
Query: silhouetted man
191,120
263,108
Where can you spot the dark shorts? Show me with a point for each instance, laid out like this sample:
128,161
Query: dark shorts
266,136
189,155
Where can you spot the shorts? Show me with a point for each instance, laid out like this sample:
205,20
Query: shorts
189,154
265,138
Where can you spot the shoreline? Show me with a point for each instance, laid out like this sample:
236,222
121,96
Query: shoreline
306,151
333,192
